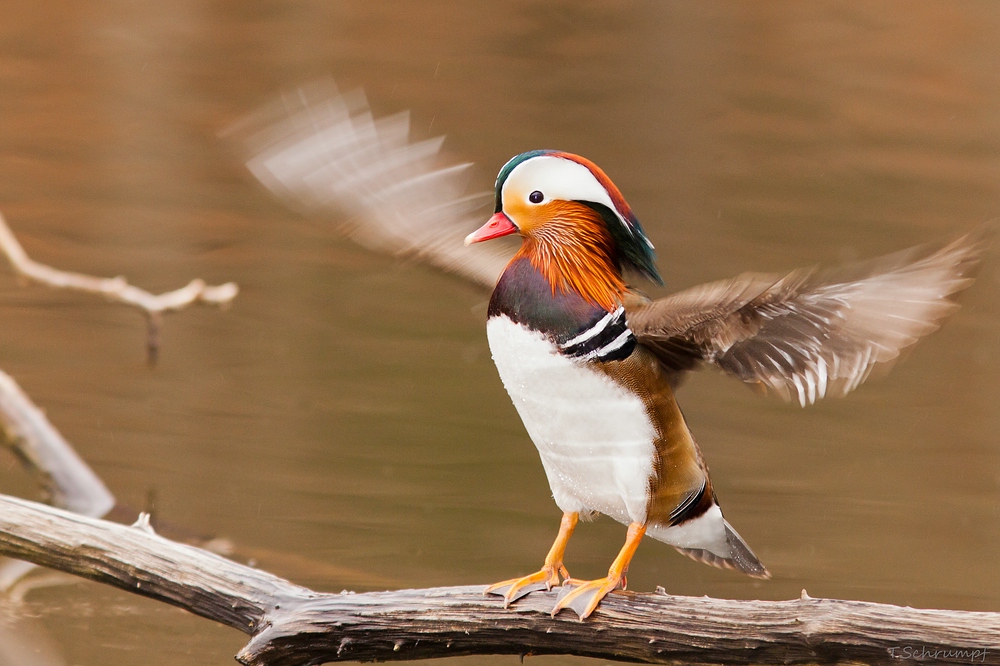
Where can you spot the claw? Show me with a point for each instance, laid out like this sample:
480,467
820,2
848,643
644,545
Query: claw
585,597
515,588
545,579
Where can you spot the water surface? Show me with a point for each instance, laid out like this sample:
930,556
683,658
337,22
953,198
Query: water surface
343,423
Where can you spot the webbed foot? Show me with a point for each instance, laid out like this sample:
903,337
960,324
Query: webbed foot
585,597
546,578
515,588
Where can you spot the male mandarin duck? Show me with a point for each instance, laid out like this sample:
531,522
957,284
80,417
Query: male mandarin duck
591,365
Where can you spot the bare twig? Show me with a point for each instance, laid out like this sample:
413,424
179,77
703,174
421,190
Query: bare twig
293,625
117,288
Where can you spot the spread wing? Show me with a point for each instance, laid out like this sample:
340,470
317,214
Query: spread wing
322,151
809,333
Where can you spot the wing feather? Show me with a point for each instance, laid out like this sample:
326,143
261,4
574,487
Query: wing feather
321,150
810,333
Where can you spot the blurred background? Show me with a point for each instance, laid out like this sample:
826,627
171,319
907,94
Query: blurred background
343,423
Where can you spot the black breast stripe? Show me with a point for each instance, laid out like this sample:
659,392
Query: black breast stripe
607,340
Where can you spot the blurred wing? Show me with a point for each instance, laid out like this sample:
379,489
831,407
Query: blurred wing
320,151
809,333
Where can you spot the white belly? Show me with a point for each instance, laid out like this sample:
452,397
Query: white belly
594,437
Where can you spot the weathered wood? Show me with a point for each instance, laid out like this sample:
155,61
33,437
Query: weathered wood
67,480
117,288
290,624
650,628
139,560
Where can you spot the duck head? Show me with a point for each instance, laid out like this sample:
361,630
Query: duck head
576,227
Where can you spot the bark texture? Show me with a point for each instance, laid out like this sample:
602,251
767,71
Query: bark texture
289,624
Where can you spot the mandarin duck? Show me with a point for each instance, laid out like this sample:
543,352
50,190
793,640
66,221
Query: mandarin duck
590,364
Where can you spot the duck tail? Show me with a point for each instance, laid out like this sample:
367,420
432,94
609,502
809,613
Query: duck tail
739,558
709,538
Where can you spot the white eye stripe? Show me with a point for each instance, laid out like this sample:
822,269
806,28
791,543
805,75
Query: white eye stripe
558,179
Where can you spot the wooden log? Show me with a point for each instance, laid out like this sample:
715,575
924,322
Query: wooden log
289,624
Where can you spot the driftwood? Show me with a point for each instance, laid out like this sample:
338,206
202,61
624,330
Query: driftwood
290,624
66,480
117,288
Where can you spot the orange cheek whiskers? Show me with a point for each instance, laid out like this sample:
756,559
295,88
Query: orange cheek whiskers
575,252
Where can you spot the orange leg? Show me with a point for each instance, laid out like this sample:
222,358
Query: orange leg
584,598
548,577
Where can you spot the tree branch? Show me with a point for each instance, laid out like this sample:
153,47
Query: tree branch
290,624
117,288
67,481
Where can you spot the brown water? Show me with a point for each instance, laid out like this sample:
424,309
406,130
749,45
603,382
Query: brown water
343,422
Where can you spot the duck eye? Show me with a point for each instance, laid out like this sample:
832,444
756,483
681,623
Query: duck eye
536,197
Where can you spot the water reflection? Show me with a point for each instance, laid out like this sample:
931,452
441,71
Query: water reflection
23,642
346,410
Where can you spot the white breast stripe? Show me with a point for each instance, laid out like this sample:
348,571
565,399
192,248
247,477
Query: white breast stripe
593,330
617,343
